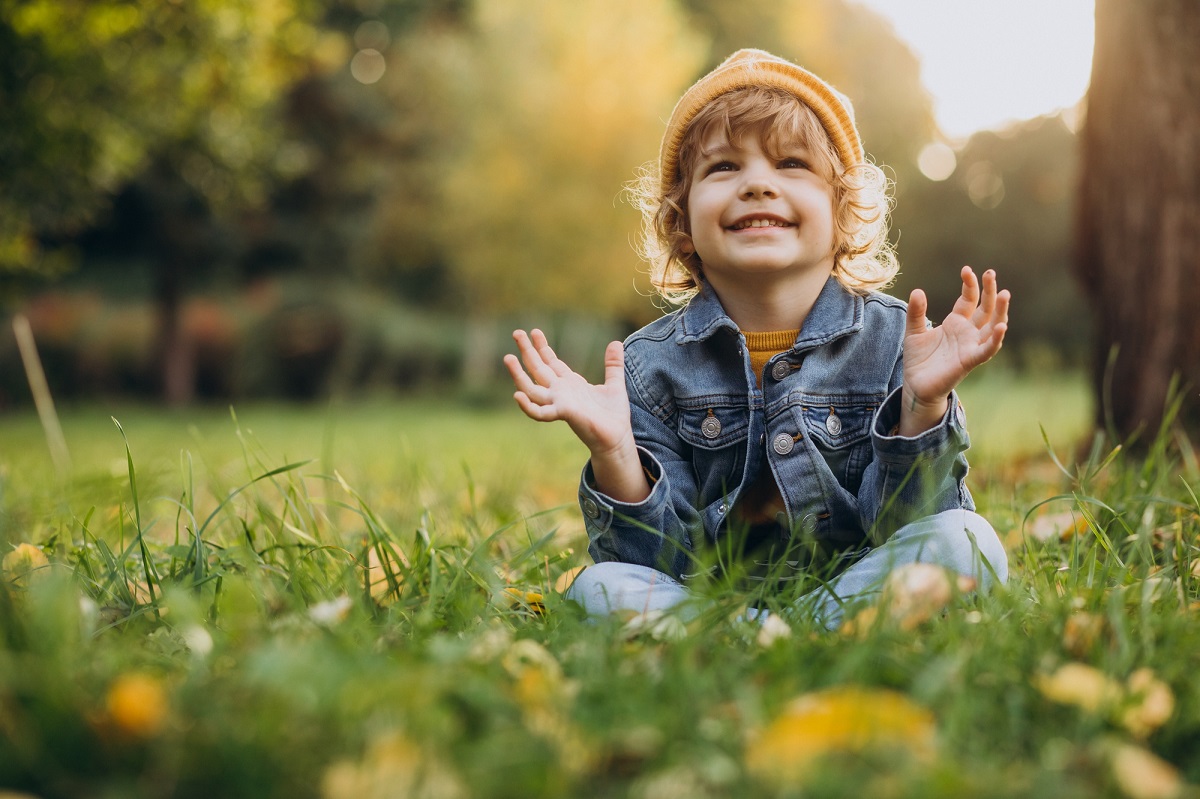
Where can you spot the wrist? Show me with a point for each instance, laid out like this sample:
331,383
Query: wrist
618,472
918,415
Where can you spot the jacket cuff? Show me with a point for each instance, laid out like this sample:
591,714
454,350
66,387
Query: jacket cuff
599,509
948,435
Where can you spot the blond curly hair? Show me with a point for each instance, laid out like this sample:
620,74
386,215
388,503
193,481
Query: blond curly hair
864,260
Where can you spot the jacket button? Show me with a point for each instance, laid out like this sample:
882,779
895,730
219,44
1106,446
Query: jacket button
710,427
781,369
833,424
783,444
721,510
591,509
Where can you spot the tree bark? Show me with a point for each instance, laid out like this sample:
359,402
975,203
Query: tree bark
1138,226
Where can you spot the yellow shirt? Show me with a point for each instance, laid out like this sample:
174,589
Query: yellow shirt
761,502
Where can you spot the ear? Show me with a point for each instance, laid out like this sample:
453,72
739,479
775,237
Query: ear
686,247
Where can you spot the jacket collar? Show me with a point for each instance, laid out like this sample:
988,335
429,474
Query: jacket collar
836,313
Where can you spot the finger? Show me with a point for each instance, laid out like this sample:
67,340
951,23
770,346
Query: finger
614,366
1000,314
969,299
534,363
917,307
523,382
551,359
539,413
987,304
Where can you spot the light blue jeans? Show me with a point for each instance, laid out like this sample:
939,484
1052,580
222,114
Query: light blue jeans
959,540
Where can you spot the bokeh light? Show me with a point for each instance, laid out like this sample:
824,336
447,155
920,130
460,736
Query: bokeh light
368,66
937,161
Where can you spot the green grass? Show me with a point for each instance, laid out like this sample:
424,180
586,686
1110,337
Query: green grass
260,657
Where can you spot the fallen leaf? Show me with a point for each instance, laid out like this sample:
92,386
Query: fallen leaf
1141,774
1081,632
1063,526
332,611
1080,685
771,630
565,579
1153,704
25,563
392,766
917,592
845,719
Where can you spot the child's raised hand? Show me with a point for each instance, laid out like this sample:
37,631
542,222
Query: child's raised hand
548,390
937,359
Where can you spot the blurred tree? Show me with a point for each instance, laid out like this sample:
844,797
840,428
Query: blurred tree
1139,209
1006,206
550,107
849,45
97,91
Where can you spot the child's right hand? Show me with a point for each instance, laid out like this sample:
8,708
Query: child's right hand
548,390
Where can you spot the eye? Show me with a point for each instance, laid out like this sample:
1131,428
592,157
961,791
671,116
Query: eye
720,166
793,163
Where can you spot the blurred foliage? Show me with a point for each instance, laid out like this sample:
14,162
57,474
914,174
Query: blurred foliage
92,88
1007,207
467,158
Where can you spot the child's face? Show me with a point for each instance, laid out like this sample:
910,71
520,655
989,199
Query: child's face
756,214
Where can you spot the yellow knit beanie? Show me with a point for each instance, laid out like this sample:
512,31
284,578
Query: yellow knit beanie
747,68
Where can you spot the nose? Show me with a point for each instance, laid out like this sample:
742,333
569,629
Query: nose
758,180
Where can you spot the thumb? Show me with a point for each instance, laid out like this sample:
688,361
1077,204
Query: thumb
917,306
614,365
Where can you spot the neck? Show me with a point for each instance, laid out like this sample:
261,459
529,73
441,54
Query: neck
772,304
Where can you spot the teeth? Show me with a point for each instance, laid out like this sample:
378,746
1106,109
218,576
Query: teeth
759,223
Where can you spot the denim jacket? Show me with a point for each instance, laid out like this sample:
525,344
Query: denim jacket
823,422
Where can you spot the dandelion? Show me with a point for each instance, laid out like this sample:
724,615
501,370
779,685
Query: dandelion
137,704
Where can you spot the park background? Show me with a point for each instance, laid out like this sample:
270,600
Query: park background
307,200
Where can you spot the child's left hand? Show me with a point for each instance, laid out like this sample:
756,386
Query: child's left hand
937,359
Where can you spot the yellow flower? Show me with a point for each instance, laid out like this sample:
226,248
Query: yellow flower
137,704
845,719
526,600
26,562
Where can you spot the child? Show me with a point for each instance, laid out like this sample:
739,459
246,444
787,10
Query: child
787,406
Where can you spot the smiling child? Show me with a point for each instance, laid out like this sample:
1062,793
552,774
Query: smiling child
787,411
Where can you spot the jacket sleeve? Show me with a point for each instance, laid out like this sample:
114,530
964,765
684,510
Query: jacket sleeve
656,532
911,477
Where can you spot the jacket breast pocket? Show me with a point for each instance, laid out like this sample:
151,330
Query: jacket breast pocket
840,428
717,436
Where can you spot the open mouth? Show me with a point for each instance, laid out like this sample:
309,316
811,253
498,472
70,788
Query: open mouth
759,222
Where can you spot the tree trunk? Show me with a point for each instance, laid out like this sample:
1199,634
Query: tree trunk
1138,227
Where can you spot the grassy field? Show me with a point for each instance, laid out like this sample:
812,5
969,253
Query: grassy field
360,601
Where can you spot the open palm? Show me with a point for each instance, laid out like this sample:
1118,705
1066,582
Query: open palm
548,390
937,359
